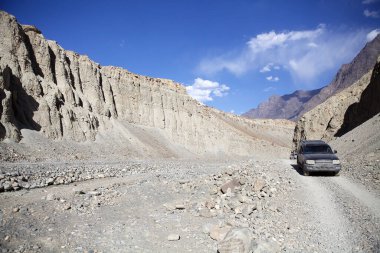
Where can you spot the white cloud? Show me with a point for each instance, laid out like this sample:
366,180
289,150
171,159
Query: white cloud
371,14
204,90
268,89
265,41
266,68
269,67
273,78
369,1
304,54
372,34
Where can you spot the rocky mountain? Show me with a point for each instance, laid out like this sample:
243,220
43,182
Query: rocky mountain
343,111
293,106
65,96
282,107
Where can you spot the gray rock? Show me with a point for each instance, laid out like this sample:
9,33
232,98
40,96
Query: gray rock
180,206
218,233
94,193
230,185
7,186
173,237
237,240
49,181
67,206
50,197
267,246
206,228
258,185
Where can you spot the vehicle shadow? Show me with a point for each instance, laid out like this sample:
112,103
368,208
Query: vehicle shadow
296,168
313,174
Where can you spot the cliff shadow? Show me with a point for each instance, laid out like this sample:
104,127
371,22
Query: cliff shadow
367,107
22,105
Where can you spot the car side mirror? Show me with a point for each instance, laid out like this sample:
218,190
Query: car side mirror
335,151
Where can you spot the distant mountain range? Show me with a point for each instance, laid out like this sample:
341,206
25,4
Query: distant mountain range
293,106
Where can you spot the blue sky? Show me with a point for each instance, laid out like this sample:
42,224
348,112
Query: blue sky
232,55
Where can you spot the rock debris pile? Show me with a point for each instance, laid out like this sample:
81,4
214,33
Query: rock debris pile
237,202
38,176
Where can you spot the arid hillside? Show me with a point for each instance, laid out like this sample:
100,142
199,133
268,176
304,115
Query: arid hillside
341,112
48,93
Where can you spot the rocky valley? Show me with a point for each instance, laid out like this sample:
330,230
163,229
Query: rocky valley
98,159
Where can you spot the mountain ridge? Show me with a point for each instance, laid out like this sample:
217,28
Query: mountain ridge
294,108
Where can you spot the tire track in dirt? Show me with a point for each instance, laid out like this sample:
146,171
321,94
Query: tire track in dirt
368,199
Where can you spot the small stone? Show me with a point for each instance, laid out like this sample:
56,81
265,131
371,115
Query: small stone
210,204
229,172
268,246
248,210
258,185
213,190
218,233
169,207
180,206
16,209
7,186
230,185
59,180
243,198
239,209
66,207
49,181
173,237
242,180
93,193
237,240
50,197
206,228
7,238
25,185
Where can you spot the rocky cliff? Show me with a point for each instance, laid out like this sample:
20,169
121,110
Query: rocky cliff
343,111
67,96
293,106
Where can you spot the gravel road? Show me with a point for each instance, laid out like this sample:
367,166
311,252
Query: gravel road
183,206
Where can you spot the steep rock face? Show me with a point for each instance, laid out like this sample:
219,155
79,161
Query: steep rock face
293,106
341,112
367,107
66,96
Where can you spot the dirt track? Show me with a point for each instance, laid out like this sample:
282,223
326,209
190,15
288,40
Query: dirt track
136,213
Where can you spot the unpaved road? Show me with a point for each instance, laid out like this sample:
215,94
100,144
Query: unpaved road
136,213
